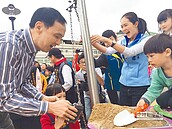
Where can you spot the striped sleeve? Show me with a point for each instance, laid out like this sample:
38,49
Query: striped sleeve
10,81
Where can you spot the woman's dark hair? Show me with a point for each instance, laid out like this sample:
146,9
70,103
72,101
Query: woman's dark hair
158,44
163,15
48,16
132,17
54,89
33,74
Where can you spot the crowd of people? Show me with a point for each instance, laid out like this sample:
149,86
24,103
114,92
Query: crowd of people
133,71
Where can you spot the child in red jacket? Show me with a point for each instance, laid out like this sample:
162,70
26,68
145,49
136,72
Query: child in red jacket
49,121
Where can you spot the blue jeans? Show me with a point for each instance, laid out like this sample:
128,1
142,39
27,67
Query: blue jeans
5,121
129,96
87,101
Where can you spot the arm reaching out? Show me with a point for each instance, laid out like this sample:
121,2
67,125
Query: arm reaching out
96,39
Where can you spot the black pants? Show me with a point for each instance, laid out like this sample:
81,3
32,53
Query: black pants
113,96
22,122
5,121
165,99
129,96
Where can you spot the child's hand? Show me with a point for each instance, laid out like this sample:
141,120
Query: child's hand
59,122
141,103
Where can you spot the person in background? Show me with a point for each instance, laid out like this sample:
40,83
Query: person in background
50,75
35,75
36,63
113,70
159,52
134,77
50,121
17,53
75,65
164,20
64,73
81,77
43,68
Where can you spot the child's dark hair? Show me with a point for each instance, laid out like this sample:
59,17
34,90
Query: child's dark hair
54,89
132,17
163,15
158,44
50,68
109,33
81,56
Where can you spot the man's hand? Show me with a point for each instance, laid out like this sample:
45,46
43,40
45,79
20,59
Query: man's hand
50,98
63,109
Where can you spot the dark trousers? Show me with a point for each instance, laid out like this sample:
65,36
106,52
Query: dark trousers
5,121
23,122
129,96
82,118
113,96
165,99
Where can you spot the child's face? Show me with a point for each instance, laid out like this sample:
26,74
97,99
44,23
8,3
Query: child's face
61,95
47,73
166,25
82,64
157,59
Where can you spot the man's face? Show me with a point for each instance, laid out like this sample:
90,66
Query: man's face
49,37
52,59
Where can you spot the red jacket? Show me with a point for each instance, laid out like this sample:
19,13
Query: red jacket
75,65
46,123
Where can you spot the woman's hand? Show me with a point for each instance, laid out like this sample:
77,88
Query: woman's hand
97,39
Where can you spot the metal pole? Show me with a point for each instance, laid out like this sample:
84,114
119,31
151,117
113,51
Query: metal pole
92,82
12,21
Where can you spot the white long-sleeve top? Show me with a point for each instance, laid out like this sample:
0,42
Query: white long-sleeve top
132,51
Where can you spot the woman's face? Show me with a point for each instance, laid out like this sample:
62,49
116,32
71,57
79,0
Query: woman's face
61,95
166,25
128,28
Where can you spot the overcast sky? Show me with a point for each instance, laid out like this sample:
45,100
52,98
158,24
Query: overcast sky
101,14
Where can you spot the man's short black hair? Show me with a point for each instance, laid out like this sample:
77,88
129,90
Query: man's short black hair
55,52
48,16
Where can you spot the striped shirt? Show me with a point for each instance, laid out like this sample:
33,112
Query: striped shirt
17,53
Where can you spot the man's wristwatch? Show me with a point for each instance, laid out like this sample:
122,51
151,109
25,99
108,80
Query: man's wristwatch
113,43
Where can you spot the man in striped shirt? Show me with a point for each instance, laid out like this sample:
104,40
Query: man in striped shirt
17,53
